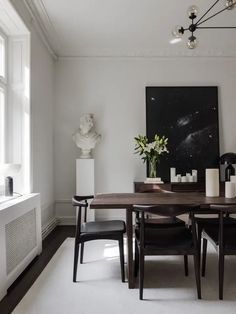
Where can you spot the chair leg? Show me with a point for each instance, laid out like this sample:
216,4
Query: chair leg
197,275
136,259
122,260
82,253
204,253
221,275
186,265
141,274
199,242
76,254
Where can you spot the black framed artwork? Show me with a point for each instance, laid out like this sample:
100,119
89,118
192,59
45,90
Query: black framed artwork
188,116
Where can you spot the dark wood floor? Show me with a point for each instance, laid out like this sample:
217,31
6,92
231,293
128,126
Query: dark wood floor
19,288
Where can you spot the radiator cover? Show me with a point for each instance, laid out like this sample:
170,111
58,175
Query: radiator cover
20,237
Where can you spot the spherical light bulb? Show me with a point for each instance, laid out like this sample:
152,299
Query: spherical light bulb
230,4
192,12
192,42
178,31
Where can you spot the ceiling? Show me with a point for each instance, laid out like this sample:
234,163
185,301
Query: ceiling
129,27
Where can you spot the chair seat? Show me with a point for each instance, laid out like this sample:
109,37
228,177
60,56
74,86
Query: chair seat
168,238
103,227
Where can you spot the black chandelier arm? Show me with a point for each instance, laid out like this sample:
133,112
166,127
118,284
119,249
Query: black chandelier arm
210,17
216,27
207,11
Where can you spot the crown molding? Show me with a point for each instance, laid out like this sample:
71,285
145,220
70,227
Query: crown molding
161,53
157,57
43,25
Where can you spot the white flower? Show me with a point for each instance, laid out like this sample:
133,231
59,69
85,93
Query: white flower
149,147
151,151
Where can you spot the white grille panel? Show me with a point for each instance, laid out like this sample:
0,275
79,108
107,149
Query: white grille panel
20,239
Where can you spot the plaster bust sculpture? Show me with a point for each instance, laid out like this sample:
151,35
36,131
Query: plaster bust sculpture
86,137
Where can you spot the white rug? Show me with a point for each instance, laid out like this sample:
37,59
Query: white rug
100,290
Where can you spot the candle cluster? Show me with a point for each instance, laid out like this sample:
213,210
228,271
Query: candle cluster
188,177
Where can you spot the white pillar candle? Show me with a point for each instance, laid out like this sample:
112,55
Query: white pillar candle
183,179
175,179
212,182
194,174
190,179
230,191
187,176
233,179
179,177
172,174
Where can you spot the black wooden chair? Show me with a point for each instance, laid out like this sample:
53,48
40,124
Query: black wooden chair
157,222
202,223
222,234
168,240
95,230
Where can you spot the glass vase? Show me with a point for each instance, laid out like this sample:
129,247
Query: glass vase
152,168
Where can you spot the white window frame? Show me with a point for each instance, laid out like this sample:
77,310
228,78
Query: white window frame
16,86
4,89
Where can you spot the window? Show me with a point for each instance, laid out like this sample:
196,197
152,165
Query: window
2,125
15,105
3,93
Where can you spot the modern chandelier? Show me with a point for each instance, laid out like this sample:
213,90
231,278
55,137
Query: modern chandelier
192,12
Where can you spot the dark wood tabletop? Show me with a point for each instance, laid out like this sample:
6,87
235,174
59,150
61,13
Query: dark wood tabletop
125,200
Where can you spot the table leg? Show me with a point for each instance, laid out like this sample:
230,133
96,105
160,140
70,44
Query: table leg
129,231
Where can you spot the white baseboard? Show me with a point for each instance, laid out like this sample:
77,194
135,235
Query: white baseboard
48,228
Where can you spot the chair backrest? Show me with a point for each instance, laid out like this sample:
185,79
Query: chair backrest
81,202
79,198
167,211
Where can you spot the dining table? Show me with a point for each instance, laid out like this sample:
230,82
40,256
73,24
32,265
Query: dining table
127,200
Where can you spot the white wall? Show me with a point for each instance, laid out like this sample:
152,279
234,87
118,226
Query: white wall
42,100
114,90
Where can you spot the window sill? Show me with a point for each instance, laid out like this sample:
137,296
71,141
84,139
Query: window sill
4,199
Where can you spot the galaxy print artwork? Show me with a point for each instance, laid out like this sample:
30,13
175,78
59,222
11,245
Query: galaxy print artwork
188,116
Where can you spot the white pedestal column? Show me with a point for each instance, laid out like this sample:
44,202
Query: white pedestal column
85,181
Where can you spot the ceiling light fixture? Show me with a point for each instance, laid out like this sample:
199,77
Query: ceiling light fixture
195,25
